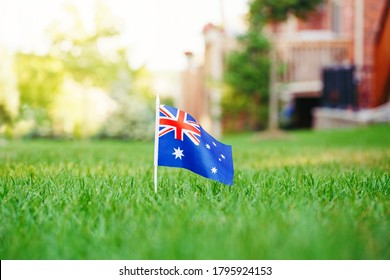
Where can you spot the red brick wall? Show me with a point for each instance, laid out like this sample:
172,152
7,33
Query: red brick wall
382,60
373,10
318,20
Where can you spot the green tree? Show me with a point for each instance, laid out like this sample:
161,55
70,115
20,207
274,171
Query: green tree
81,60
245,75
90,57
134,116
39,79
264,11
9,96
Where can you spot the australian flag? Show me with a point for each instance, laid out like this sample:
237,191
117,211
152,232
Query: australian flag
183,143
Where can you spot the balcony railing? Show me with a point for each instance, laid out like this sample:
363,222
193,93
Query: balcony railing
304,60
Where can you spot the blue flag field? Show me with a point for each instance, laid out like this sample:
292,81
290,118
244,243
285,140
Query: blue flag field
183,143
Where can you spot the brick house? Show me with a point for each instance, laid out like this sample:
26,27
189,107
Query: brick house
341,35
351,35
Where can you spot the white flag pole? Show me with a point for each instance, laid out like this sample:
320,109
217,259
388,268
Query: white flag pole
156,140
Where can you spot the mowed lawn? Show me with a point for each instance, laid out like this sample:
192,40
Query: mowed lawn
307,195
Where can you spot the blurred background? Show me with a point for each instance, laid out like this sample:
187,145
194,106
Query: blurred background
92,68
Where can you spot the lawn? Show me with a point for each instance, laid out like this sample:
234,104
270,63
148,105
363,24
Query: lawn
307,195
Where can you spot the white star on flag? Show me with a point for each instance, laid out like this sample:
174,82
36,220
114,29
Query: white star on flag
178,153
208,146
214,170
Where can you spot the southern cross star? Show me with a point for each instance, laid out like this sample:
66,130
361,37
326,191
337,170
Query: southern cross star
214,170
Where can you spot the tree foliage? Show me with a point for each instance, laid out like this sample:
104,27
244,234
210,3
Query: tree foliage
9,96
247,75
247,67
89,56
263,11
82,59
131,120
39,79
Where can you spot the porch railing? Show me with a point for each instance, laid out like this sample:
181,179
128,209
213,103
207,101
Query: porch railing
303,61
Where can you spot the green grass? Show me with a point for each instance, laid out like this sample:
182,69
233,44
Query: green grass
310,195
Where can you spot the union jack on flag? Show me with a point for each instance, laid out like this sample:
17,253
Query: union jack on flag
183,143
180,123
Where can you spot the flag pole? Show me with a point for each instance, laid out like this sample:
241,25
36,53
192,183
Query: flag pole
157,125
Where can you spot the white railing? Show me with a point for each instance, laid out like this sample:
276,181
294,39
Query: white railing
306,59
303,61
